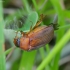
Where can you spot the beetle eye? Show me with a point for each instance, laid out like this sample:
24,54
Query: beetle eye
18,42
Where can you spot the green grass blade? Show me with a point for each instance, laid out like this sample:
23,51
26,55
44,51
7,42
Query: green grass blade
67,13
35,5
61,21
25,3
42,52
2,54
55,50
27,60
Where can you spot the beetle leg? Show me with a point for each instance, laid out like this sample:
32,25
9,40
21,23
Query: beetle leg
22,33
29,48
16,34
39,22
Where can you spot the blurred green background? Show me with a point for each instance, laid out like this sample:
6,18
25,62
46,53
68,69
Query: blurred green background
18,15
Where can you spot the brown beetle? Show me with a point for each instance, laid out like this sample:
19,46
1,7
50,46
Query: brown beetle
36,38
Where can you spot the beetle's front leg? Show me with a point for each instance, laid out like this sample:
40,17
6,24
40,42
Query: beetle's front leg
22,33
16,34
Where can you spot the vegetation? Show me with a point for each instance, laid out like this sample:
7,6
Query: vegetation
44,58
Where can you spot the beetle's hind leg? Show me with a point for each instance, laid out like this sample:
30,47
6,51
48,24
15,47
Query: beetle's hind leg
40,20
37,24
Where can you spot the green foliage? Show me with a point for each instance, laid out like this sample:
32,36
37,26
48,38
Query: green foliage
27,60
2,54
30,22
32,11
55,50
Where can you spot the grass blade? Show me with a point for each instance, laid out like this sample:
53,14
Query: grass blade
2,55
55,50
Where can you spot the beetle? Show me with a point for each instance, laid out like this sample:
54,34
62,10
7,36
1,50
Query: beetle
36,37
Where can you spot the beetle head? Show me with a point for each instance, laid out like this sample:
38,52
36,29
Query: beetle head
17,42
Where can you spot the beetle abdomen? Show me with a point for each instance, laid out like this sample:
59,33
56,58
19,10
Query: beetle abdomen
41,36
